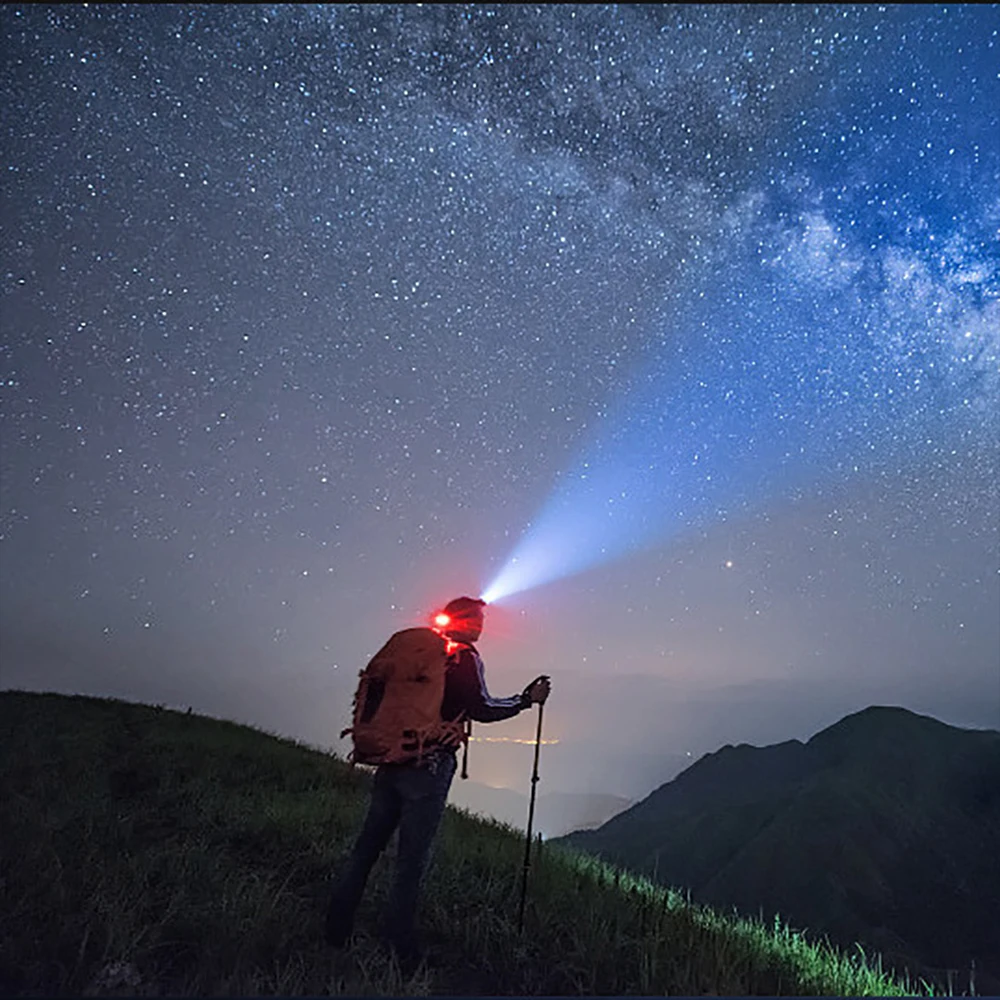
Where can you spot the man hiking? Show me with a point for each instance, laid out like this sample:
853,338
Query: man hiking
411,794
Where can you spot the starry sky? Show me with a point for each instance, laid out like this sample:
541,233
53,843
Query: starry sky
678,325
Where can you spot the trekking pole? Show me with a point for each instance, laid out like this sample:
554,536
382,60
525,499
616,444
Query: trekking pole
531,816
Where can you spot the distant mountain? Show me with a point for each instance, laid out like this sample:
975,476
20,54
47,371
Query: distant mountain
556,813
566,811
883,829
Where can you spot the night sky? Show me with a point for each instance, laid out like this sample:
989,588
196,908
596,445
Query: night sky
316,317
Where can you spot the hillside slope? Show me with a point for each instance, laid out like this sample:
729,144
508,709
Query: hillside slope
882,829
148,852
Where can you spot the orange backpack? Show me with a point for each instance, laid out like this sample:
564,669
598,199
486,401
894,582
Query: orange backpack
397,706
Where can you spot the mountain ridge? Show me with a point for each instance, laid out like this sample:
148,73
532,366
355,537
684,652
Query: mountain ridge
869,831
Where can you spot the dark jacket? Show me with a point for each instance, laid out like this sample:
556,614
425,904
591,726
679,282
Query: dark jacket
465,691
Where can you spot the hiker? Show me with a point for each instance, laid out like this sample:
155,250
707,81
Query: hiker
412,794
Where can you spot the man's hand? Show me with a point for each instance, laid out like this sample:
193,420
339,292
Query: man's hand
538,690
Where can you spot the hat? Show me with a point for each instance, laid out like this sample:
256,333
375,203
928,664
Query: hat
460,607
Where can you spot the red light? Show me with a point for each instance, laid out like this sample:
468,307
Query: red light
441,619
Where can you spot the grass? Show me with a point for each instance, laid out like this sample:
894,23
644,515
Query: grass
148,852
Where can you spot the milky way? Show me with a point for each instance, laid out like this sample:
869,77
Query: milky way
309,312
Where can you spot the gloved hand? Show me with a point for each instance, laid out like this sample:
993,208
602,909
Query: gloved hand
537,691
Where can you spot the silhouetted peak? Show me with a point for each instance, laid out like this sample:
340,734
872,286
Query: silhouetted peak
882,732
879,720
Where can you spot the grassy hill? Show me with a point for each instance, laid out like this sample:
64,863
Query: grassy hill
150,852
883,828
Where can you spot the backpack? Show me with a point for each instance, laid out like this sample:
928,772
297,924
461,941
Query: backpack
397,705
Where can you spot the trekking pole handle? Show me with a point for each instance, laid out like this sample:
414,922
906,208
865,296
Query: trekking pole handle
538,742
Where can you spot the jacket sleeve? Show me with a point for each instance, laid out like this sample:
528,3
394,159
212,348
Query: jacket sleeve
468,689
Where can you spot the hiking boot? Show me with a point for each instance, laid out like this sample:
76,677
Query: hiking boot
408,959
339,926
406,952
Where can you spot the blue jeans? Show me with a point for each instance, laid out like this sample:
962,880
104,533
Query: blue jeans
411,797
